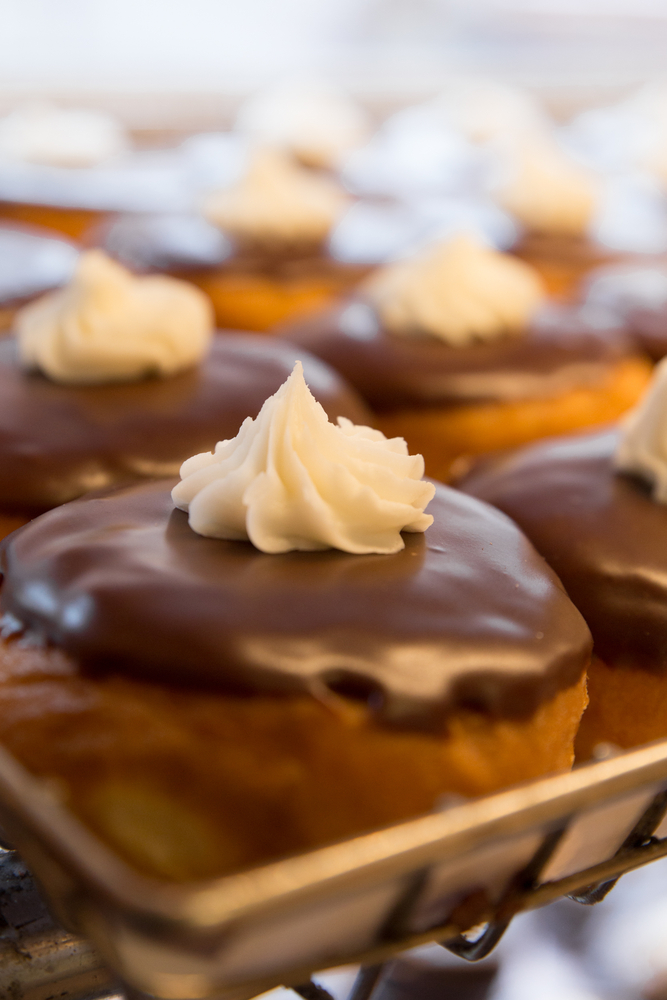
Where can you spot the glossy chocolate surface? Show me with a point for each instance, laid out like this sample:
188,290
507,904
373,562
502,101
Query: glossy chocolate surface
467,614
601,532
564,348
572,250
638,296
32,261
59,441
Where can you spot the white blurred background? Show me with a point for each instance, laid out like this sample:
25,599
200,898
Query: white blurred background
191,56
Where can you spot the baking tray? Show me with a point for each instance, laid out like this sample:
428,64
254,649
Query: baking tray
474,863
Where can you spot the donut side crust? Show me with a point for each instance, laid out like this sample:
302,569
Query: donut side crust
189,784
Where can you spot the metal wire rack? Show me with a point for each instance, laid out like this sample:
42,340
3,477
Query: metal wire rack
456,877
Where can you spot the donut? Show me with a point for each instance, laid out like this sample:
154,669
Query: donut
574,217
278,217
606,538
204,706
251,285
566,370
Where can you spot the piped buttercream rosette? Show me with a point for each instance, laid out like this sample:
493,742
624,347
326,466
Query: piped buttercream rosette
107,325
290,479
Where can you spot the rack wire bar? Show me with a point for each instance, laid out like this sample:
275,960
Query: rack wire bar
457,877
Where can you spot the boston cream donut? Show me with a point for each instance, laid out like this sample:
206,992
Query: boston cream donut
574,218
315,641
457,351
278,217
555,199
116,378
594,506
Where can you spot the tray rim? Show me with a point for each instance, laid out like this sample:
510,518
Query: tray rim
28,804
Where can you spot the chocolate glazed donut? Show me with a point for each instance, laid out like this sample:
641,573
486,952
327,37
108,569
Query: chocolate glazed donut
205,706
491,628
570,369
607,539
564,347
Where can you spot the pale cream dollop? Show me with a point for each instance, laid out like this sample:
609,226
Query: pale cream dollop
290,479
642,449
461,291
277,200
60,137
107,325
545,189
313,120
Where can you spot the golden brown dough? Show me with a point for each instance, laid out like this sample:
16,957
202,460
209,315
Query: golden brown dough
443,435
618,708
73,222
188,784
258,302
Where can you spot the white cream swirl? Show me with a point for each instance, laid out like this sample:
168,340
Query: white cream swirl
277,200
461,291
642,448
109,326
290,479
546,190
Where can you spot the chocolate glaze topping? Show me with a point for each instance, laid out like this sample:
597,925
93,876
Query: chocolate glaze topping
565,347
467,614
32,261
58,441
601,532
649,328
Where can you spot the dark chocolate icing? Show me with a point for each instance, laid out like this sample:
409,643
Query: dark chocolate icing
467,614
564,347
573,250
59,441
637,295
32,261
599,530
